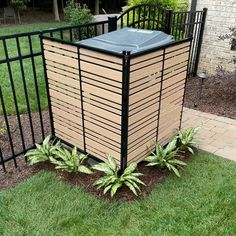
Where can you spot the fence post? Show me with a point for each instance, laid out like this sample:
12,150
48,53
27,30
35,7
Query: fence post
200,41
168,17
47,86
112,24
125,110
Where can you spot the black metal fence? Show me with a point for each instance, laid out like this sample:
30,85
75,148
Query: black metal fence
24,117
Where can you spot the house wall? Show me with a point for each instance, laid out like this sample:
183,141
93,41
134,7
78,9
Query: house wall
221,15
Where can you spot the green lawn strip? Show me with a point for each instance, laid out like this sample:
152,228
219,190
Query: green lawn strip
201,202
28,69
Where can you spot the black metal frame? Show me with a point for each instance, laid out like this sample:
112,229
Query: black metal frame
126,57
166,20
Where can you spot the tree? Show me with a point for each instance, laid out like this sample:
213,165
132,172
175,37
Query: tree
96,7
55,11
19,5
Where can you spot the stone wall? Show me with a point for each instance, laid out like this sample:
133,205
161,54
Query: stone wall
220,16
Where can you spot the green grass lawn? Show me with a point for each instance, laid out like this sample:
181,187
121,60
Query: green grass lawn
202,202
28,69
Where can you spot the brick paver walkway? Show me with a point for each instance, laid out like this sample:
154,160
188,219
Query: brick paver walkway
218,134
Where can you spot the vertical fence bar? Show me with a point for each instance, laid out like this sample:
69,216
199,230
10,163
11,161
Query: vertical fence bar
202,27
159,110
154,18
2,161
144,16
125,110
14,94
47,87
7,125
195,39
185,84
25,89
112,24
139,15
168,16
71,35
81,98
36,87
133,24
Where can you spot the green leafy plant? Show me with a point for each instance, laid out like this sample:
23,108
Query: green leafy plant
42,152
186,138
70,161
112,181
165,157
77,14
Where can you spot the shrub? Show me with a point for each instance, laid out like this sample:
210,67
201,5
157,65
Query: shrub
165,157
43,152
186,138
112,181
70,162
77,14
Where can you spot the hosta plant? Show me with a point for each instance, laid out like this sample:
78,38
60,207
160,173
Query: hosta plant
186,138
165,157
43,152
112,181
70,161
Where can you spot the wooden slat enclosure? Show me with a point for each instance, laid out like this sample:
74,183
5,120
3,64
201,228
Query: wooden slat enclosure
85,88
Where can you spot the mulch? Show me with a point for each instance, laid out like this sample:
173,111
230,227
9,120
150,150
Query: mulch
151,177
218,97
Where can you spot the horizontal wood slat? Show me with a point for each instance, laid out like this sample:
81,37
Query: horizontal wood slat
60,45
63,79
63,129
101,56
149,70
175,60
69,61
75,142
102,148
101,71
102,93
101,61
104,132
177,47
156,60
61,51
67,116
145,57
175,79
144,93
62,69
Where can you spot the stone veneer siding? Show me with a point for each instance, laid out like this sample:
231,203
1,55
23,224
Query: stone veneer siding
220,16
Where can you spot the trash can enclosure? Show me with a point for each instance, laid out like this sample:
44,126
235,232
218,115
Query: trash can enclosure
115,103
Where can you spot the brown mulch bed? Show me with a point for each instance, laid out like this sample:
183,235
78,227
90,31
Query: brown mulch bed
17,175
151,177
218,95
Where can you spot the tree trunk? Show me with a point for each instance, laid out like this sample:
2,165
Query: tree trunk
18,15
55,11
96,7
